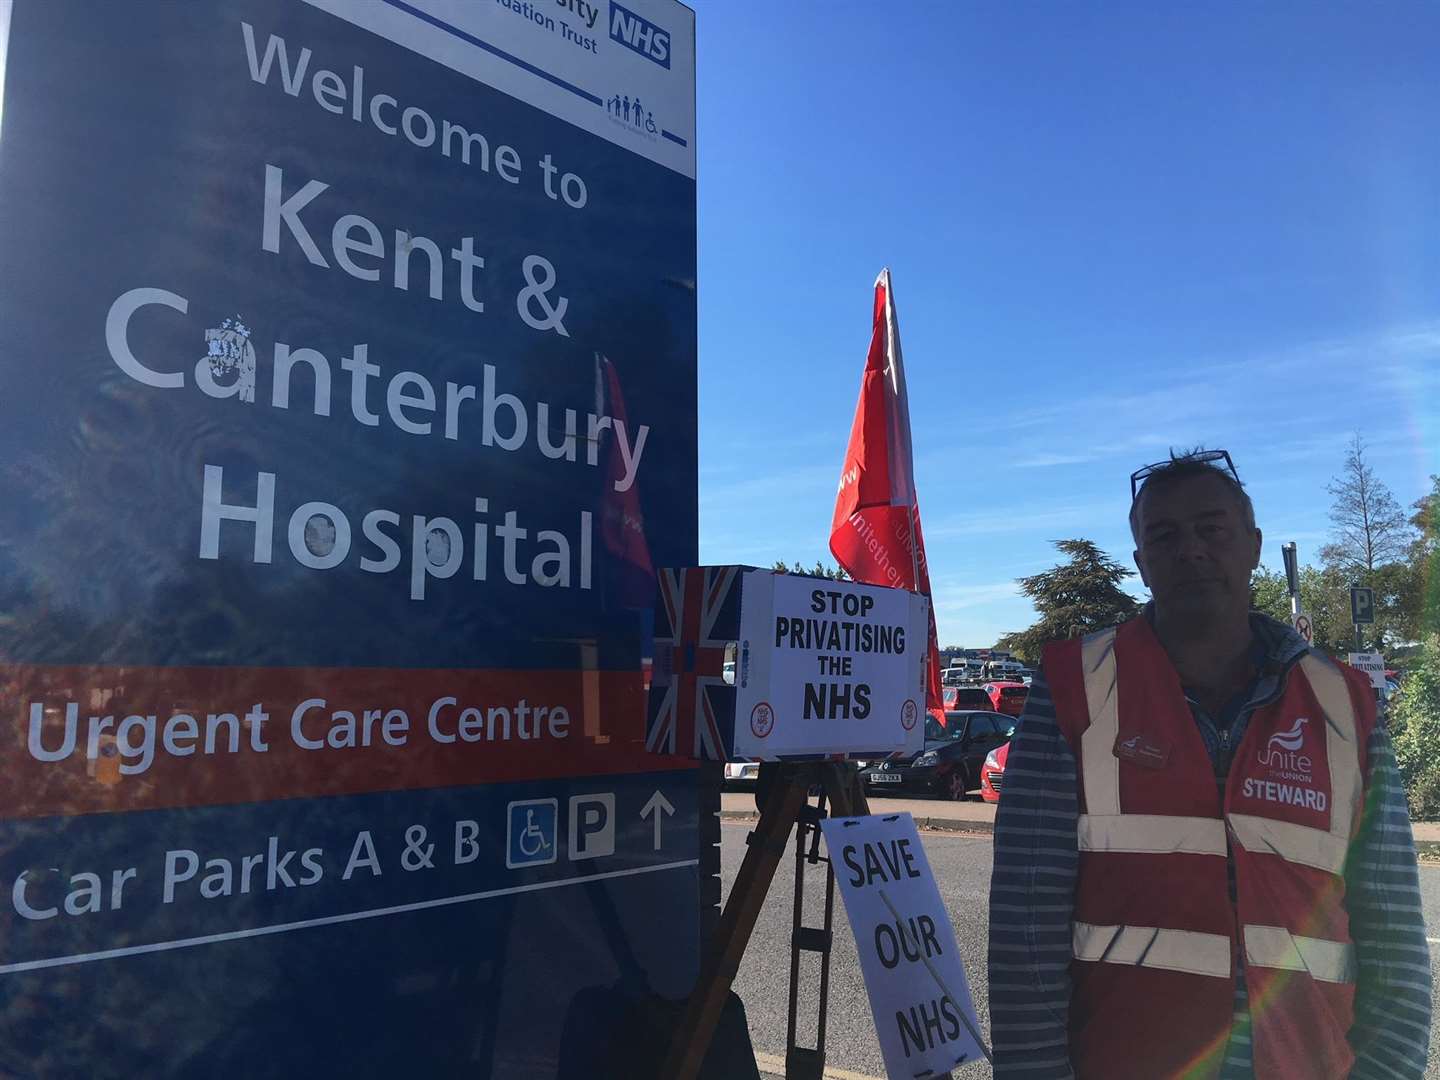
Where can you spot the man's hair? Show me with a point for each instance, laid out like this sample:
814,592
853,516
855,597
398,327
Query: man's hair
1183,466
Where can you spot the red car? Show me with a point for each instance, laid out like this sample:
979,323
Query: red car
993,772
1007,697
958,698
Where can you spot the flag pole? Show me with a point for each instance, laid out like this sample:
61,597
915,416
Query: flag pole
892,328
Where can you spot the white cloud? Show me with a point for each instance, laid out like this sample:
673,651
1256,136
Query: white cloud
772,480
960,597
1001,517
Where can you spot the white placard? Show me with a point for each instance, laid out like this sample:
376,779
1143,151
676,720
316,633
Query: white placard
1372,664
919,995
828,667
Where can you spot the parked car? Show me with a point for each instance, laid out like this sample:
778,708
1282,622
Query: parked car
741,774
1002,670
959,674
955,698
1007,697
949,764
993,772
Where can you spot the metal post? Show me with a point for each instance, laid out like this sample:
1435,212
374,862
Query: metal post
840,785
807,1063
1292,577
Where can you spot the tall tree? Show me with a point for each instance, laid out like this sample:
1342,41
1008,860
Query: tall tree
1074,598
1368,527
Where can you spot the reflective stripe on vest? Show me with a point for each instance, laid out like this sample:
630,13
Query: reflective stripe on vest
1276,947
1154,947
1293,843
1097,744
1151,834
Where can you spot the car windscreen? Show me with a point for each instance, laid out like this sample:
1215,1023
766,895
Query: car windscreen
954,728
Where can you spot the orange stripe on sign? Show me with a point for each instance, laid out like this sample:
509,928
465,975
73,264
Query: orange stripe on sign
83,740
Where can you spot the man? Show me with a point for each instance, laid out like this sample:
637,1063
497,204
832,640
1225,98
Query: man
1203,859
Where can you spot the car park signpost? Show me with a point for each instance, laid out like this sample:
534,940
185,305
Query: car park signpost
1362,609
348,378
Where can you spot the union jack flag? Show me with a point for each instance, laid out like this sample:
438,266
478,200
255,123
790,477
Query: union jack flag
691,705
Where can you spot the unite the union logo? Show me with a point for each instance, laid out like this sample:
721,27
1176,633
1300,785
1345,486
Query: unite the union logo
1290,776
1282,752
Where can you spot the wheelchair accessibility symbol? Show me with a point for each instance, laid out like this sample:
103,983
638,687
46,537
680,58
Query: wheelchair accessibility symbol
530,833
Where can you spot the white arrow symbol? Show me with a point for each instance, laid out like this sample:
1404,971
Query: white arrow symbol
656,805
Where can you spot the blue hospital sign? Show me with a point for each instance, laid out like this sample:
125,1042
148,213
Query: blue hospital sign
347,405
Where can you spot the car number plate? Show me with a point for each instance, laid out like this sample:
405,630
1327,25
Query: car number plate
884,778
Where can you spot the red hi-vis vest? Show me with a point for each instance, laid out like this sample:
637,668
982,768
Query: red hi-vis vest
1156,936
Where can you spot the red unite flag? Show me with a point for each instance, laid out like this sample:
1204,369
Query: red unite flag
629,577
875,534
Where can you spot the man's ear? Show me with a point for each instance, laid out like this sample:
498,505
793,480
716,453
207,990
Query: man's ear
1259,547
1140,565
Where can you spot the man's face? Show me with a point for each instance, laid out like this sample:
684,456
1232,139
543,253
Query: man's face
1196,553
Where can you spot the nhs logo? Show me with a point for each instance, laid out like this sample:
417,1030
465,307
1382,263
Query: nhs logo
639,34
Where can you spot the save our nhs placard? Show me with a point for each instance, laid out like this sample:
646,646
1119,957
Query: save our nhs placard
347,379
914,974
828,667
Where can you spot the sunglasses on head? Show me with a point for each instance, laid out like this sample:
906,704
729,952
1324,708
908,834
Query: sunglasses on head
1207,457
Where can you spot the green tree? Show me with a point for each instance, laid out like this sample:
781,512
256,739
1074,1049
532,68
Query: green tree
830,573
1399,595
1425,560
1074,598
1415,730
1270,594
1426,519
1325,597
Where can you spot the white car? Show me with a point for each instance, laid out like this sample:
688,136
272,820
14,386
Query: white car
741,772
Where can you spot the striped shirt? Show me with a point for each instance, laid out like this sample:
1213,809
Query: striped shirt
1032,895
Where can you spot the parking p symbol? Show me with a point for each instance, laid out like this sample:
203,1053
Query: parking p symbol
592,826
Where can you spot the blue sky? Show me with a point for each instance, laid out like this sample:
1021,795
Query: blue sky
1113,229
